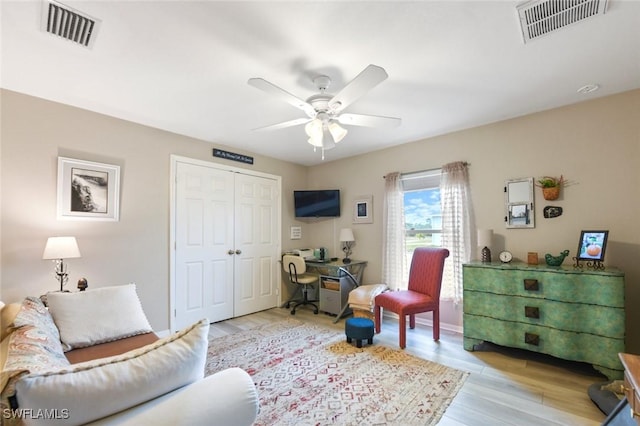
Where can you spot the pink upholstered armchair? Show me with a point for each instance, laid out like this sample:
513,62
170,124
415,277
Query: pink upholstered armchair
423,294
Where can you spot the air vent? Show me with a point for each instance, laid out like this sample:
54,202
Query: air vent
68,23
541,17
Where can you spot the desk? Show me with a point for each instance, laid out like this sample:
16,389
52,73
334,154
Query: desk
337,279
631,365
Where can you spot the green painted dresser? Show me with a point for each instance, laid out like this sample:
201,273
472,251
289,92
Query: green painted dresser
573,314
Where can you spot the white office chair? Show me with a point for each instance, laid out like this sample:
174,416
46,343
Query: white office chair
296,268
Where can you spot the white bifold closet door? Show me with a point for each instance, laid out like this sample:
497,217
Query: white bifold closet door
227,243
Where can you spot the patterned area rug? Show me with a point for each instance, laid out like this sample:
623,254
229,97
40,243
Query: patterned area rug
310,375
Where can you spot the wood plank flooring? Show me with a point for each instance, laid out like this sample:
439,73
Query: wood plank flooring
506,387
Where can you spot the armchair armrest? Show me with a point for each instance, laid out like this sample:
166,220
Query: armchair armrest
228,397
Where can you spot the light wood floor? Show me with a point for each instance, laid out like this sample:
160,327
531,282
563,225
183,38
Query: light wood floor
504,387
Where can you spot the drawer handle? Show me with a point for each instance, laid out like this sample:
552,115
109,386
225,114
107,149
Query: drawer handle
532,312
531,285
531,339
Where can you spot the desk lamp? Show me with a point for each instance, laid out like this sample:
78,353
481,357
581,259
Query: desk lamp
58,249
346,237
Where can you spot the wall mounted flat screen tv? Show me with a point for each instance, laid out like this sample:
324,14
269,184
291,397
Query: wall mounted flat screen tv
318,203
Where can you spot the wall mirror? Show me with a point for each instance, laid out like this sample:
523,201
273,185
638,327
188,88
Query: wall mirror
519,206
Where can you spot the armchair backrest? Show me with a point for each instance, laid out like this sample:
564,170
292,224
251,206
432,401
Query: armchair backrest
425,275
294,266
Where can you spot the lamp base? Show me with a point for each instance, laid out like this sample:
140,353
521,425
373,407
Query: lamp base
486,255
346,260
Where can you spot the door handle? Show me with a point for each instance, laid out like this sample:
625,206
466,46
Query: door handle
238,251
230,252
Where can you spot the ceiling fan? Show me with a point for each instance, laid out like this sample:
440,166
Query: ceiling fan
325,111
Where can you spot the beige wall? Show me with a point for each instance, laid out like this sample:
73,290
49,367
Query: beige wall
595,144
135,249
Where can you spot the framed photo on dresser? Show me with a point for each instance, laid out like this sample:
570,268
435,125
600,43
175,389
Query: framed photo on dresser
592,245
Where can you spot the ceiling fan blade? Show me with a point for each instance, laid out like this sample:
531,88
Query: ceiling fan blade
264,85
369,78
368,120
284,124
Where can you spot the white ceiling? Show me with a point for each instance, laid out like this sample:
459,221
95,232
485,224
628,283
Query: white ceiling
183,66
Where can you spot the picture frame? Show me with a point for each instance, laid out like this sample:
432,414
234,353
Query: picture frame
519,216
363,209
592,245
87,190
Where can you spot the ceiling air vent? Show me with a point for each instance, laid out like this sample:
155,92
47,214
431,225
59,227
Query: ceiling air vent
68,23
540,17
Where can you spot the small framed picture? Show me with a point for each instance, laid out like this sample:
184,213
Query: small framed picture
592,245
363,209
87,190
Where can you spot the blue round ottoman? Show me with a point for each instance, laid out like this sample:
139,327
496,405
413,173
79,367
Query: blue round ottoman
359,329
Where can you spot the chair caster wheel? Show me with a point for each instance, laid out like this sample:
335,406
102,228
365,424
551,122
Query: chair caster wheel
293,312
315,311
287,305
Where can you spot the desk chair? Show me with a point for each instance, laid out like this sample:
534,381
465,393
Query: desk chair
423,294
296,267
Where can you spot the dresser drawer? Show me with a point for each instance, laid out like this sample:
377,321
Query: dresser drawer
575,346
593,319
561,285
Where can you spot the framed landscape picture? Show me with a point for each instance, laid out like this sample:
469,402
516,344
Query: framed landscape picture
592,245
87,190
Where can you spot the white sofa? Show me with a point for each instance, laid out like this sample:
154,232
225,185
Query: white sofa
160,383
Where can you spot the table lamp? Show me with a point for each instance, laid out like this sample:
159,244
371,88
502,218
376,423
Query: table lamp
58,249
346,237
484,240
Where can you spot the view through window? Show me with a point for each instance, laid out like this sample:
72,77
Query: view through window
422,211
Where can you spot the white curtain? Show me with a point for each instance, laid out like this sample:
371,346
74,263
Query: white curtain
457,226
393,247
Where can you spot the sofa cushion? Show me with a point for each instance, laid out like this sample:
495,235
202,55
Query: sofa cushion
96,316
34,344
95,389
32,347
7,315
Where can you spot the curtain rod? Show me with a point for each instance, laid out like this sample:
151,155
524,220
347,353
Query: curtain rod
422,171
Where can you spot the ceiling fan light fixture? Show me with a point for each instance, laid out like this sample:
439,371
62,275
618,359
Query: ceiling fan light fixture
314,128
328,144
337,132
316,140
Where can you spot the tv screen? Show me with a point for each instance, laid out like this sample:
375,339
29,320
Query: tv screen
319,203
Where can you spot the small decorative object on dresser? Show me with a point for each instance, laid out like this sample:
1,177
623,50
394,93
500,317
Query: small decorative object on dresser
591,248
505,256
485,236
556,260
532,258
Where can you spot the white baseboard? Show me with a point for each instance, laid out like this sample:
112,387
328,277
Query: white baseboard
163,333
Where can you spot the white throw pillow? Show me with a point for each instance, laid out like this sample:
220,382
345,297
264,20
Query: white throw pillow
100,315
91,390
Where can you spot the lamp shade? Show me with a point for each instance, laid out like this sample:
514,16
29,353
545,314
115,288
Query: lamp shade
61,248
314,129
346,234
485,236
337,132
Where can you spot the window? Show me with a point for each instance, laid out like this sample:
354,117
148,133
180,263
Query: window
422,211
